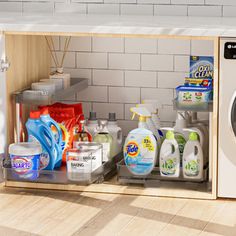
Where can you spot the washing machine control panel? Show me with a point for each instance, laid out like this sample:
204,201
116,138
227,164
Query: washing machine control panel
230,51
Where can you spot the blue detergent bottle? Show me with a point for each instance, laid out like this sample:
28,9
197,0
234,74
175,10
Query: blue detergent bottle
55,128
39,132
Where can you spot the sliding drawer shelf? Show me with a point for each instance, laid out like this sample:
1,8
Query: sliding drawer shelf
154,179
203,107
77,85
106,171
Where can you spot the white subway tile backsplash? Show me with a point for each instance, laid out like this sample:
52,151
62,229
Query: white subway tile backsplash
124,61
122,72
171,79
170,10
140,45
124,95
181,63
73,8
157,62
93,94
38,7
80,73
108,44
167,113
140,79
221,2
205,11
92,60
153,1
174,46
165,96
111,9
202,48
132,9
108,77
127,126
87,107
188,2
7,7
128,113
69,61
81,44
229,11
103,109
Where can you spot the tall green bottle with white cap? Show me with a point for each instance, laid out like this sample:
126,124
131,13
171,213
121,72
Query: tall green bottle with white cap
193,157
170,155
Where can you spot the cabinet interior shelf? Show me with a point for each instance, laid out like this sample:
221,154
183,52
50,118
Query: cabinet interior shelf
76,85
202,107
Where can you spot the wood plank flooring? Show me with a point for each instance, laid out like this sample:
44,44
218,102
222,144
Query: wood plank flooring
57,213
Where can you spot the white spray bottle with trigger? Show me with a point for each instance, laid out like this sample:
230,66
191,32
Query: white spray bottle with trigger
155,109
170,156
140,148
193,157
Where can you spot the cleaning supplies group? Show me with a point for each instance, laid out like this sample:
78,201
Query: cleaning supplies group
146,148
60,130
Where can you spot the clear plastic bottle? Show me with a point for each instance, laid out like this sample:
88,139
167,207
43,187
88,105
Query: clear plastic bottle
92,123
103,137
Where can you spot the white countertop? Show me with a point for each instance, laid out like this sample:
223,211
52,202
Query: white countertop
143,25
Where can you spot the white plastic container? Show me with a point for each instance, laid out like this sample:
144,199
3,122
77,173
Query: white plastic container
193,158
58,83
92,150
116,134
170,156
44,86
25,160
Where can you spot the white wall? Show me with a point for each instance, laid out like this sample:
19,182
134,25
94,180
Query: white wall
123,71
122,7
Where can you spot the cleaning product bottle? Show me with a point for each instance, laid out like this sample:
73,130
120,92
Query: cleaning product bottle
181,136
193,157
103,137
116,134
39,132
52,124
170,155
140,148
80,133
155,111
92,123
150,122
203,126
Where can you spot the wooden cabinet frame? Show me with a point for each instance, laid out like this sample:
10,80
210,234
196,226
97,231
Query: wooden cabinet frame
33,61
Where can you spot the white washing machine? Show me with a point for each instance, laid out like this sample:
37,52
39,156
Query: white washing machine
227,119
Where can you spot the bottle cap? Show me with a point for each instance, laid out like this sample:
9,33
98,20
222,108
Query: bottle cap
170,135
112,116
193,136
92,115
35,114
44,111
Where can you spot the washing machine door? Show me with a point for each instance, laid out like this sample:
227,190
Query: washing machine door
233,114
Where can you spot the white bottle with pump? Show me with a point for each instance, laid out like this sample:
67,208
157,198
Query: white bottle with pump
92,124
116,134
170,156
140,148
193,157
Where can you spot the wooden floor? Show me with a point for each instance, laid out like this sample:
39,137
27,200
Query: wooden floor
41,212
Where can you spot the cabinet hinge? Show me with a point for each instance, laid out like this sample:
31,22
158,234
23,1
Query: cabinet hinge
4,64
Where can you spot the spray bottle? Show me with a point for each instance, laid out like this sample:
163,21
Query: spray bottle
140,148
